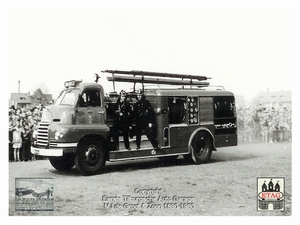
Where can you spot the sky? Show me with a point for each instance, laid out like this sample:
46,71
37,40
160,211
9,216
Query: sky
246,50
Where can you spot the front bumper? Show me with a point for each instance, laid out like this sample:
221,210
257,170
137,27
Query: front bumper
47,151
55,149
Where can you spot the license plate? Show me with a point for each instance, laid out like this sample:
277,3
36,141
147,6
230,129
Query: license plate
36,152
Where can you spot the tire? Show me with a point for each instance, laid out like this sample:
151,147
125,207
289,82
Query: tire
201,148
63,163
168,160
90,157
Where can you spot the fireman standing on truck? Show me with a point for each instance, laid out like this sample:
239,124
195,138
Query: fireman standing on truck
123,118
145,120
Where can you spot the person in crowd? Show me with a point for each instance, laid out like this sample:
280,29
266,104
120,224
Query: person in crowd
249,127
264,124
18,111
26,138
123,119
145,120
10,141
17,139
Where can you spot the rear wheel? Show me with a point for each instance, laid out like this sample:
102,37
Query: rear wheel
90,158
201,148
63,163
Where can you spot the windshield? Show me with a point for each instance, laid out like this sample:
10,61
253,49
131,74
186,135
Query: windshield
68,97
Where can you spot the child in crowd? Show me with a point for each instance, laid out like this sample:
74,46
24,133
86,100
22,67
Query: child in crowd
17,139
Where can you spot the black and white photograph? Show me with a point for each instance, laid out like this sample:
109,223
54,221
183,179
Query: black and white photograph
150,109
34,194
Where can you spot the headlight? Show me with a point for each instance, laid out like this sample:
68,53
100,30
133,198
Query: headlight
58,135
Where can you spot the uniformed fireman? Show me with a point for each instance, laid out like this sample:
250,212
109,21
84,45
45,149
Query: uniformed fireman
145,120
123,119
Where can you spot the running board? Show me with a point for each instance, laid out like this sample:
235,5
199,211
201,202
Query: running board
144,153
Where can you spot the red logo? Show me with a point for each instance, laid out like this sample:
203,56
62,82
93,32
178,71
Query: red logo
270,195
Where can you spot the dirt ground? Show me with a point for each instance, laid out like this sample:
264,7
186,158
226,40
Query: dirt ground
226,186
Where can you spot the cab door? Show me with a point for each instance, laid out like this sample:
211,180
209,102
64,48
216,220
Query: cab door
91,109
178,124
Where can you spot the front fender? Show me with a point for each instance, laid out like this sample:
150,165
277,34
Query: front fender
73,133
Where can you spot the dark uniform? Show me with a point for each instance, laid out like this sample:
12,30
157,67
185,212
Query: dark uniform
26,144
10,145
122,120
145,120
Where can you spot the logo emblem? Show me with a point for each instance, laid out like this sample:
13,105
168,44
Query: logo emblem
34,194
270,193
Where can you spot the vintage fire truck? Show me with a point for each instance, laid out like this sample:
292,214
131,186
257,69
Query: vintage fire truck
191,120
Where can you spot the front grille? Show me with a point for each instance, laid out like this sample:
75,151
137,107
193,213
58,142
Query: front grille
42,135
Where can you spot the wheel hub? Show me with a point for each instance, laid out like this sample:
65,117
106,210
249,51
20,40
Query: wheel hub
201,148
91,155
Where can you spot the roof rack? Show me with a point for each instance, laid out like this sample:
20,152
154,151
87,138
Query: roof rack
156,78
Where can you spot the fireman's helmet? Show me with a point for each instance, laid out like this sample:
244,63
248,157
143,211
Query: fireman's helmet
123,93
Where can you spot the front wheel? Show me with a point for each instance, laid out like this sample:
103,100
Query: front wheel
200,149
63,163
90,158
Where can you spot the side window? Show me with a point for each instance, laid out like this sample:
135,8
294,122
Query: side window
90,98
177,109
224,106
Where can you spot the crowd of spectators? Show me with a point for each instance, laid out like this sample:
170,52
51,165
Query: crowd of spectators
22,124
264,125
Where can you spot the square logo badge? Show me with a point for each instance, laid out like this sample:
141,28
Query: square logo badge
270,193
34,194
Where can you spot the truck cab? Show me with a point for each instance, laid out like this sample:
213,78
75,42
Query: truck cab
77,116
